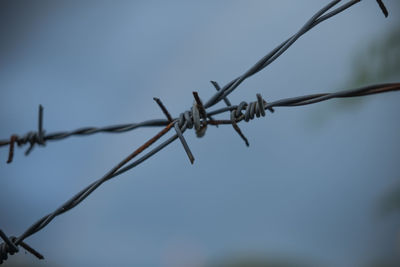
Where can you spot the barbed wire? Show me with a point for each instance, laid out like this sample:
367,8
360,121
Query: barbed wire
197,117
40,138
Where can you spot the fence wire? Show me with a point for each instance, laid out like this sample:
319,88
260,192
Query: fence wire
198,117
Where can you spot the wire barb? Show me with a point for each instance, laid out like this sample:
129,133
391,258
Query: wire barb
237,129
383,8
163,108
218,88
203,113
252,109
184,144
31,137
177,129
198,108
34,137
13,139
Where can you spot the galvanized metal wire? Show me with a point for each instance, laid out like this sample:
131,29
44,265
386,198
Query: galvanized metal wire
198,117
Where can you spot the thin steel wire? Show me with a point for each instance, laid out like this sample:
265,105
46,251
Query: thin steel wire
322,15
197,117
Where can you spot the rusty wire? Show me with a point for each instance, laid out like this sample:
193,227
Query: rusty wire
197,117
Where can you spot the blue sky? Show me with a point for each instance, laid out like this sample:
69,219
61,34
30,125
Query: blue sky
307,188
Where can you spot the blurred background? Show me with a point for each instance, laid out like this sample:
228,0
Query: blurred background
318,186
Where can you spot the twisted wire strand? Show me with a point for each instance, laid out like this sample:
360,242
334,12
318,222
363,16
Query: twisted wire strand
280,49
244,111
39,138
119,128
197,117
314,98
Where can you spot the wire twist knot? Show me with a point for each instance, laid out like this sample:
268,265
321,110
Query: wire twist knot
196,117
31,137
10,246
6,249
255,108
